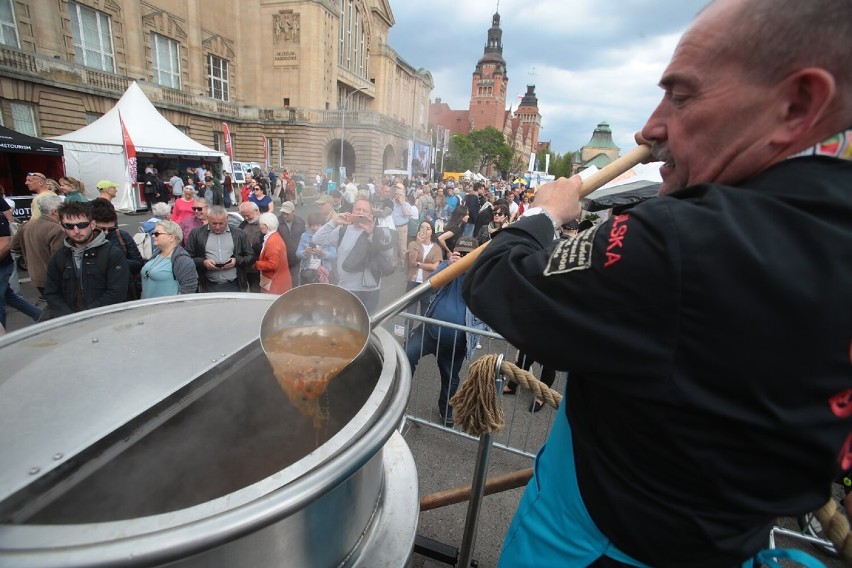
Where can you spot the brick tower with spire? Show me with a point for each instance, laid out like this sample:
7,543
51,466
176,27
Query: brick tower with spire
488,86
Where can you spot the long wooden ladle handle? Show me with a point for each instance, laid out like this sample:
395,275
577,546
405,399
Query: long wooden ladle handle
601,177
596,180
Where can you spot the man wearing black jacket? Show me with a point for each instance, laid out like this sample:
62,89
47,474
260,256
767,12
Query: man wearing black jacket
706,331
221,253
87,272
473,201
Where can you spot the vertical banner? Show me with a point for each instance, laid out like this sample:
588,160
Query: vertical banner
547,163
446,139
228,148
265,152
439,142
410,156
129,199
532,162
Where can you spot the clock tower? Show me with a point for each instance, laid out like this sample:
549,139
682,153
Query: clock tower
488,87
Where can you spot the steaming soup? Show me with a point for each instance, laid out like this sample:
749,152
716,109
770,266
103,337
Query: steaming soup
305,359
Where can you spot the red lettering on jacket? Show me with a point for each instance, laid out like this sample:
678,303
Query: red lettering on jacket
841,404
845,457
616,239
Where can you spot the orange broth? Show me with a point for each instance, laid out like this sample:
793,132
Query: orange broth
305,359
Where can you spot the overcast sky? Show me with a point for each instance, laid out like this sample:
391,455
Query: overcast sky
593,60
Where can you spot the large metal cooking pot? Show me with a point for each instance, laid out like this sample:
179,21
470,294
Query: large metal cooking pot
155,433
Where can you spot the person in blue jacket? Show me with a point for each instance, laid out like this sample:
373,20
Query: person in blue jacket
446,344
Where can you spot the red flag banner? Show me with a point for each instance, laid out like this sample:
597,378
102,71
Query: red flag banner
228,149
129,170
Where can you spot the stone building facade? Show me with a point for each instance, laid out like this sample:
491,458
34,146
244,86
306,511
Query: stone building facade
282,69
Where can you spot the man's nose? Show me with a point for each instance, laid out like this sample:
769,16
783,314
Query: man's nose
655,127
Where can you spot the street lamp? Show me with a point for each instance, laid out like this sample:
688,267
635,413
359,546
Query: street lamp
342,127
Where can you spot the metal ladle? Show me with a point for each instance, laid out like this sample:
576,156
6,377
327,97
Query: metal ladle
324,305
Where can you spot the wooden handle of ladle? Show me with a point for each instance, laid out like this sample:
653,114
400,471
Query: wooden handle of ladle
611,171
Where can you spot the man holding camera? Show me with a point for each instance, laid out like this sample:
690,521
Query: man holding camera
363,251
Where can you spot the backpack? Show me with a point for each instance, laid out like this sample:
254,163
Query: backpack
144,243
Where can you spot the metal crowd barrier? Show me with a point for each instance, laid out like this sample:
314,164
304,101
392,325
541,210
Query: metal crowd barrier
524,433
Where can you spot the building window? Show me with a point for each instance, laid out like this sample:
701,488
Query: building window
8,27
217,77
92,117
353,54
92,32
286,102
165,55
23,118
219,141
280,152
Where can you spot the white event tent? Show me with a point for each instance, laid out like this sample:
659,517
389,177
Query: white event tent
96,152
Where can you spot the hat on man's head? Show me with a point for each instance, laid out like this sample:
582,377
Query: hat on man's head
103,184
465,244
288,207
399,185
324,199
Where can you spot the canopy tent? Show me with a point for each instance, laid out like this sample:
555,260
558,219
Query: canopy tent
636,185
21,154
97,151
621,195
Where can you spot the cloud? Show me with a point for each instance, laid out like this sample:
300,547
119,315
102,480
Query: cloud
590,61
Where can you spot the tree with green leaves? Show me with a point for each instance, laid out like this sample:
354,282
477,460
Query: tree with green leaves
477,150
461,154
491,147
560,164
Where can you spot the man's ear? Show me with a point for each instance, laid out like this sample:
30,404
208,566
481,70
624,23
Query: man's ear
806,96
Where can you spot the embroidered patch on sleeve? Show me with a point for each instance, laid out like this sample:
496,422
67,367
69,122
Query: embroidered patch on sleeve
572,254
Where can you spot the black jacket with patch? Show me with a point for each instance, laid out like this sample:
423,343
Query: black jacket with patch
707,334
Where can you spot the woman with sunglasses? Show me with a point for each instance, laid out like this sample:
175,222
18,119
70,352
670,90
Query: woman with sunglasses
500,219
183,204
263,201
171,272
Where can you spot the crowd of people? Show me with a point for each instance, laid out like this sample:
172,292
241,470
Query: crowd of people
359,236
78,258
355,239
